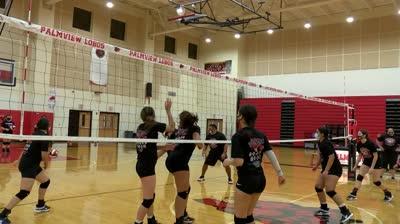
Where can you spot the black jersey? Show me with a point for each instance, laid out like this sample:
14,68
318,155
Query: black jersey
8,125
179,157
148,151
249,144
325,150
367,151
32,156
389,143
217,147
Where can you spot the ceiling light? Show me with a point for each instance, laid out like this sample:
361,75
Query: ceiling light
109,5
270,31
350,19
193,5
237,35
307,25
180,10
398,11
208,40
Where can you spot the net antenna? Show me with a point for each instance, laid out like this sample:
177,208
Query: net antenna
201,14
68,56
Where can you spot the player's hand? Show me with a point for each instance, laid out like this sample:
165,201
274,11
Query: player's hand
281,180
16,163
325,173
371,171
203,153
168,104
354,168
314,168
226,163
169,147
224,156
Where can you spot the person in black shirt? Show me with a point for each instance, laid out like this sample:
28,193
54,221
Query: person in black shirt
217,152
329,177
147,158
178,159
248,147
371,164
7,127
29,166
389,143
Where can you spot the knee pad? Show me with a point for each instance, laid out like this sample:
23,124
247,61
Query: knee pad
250,219
240,220
318,190
360,178
147,203
45,185
378,183
331,193
184,194
22,194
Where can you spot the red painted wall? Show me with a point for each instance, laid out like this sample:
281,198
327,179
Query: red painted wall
30,119
370,114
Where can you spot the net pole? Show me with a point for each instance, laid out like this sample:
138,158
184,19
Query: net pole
26,57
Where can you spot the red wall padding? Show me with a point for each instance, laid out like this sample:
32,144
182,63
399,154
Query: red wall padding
370,114
30,119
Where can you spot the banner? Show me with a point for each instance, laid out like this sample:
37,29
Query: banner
99,67
219,67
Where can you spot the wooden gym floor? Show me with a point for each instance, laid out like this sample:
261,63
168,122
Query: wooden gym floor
98,184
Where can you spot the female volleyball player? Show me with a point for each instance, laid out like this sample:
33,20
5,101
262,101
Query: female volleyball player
147,158
389,143
371,163
178,159
330,174
217,152
29,166
7,127
248,147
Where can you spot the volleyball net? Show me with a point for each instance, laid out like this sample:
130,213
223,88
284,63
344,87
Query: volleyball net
93,91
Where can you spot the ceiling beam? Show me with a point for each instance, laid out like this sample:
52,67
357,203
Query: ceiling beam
51,2
369,4
172,31
305,5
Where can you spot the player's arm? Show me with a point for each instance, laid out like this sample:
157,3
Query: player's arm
171,123
374,160
237,153
318,161
358,160
329,164
196,136
379,141
45,154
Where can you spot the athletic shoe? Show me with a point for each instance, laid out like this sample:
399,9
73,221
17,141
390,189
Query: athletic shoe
388,197
42,209
201,179
152,221
351,197
188,220
230,181
346,217
321,212
5,221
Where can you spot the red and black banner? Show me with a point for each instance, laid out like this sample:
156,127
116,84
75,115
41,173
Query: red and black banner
219,67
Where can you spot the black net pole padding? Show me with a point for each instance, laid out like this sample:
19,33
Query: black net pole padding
351,176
